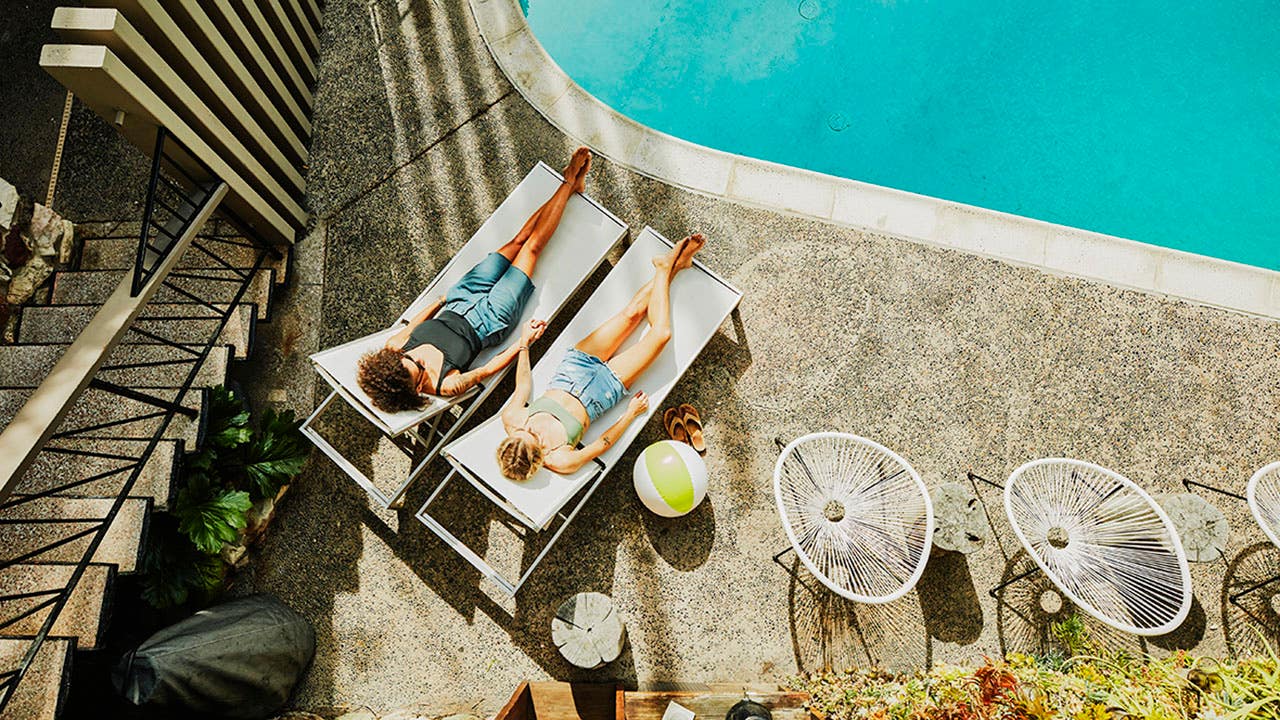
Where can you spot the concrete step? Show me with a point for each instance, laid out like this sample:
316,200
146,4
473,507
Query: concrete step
113,246
157,366
84,617
39,695
179,322
118,254
98,413
93,287
61,463
26,529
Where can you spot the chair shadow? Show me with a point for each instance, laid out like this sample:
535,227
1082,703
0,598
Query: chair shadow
1252,626
829,632
1023,625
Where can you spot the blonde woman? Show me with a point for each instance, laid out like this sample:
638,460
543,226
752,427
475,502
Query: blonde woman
593,377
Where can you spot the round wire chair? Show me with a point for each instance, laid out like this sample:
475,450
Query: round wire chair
857,514
1263,495
1103,541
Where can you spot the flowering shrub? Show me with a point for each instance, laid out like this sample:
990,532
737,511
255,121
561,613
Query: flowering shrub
1086,684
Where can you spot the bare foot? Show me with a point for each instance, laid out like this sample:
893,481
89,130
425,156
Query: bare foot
575,173
667,261
692,245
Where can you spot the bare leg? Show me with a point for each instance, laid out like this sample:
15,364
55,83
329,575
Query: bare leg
548,218
605,340
630,363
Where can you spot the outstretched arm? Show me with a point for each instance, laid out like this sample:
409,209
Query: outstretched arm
567,462
395,342
462,382
514,409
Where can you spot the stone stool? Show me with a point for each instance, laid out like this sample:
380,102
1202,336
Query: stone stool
1202,528
959,523
588,631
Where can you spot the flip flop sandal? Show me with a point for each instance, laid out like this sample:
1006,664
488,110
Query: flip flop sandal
693,426
674,424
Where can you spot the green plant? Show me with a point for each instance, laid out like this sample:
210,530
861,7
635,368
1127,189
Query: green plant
220,482
174,569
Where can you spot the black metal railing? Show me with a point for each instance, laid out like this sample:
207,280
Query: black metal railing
191,285
172,204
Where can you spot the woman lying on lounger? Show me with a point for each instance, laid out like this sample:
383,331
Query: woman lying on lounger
592,377
432,353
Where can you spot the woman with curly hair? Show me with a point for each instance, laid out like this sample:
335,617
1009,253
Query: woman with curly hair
433,352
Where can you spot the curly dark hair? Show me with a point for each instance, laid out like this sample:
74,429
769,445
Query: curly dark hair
384,378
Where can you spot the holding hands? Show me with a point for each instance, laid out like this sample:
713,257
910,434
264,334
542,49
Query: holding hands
532,331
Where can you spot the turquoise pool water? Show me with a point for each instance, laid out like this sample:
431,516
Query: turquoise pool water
1154,121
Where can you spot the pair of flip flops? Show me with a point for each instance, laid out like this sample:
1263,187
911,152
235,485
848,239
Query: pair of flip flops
684,424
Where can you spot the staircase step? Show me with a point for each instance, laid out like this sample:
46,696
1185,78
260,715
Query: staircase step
93,287
117,253
55,467
23,366
84,615
98,413
179,322
121,547
39,695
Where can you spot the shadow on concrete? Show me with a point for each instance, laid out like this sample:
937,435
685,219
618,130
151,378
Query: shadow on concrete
948,599
1253,624
1188,634
684,542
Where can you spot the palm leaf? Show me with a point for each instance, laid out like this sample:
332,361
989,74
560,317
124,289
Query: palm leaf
211,515
276,454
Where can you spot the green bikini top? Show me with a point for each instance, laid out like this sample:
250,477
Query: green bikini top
572,427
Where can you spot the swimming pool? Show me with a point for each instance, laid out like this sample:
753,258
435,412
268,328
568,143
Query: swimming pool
1152,122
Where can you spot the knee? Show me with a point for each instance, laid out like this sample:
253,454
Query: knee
660,335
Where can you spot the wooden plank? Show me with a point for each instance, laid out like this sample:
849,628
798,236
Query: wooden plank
297,52
247,50
713,704
574,701
245,144
519,706
106,85
183,33
253,18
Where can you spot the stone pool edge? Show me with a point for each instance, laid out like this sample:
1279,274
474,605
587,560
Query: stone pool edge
1019,240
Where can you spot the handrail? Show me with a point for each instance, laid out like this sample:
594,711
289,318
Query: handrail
39,418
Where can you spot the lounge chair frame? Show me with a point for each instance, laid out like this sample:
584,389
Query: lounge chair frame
582,494
438,423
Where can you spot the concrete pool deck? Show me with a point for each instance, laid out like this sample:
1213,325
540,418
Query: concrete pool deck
953,360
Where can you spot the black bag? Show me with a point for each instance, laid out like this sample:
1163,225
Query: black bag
240,659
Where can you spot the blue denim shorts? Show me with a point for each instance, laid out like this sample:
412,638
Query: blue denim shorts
491,296
589,379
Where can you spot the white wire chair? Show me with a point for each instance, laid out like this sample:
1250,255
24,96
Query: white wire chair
1103,541
857,515
1263,495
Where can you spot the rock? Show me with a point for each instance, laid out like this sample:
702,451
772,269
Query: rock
960,524
233,554
28,279
44,234
67,244
8,204
298,715
1202,528
588,631
357,715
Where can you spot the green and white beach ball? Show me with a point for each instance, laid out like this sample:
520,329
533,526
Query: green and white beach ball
670,478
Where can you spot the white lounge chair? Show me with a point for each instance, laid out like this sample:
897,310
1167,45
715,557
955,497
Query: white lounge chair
700,301
587,232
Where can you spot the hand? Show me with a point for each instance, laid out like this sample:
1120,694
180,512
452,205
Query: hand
533,331
639,404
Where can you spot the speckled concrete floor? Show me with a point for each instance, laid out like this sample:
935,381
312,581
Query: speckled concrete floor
954,361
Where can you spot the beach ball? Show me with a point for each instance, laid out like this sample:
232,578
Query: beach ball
670,478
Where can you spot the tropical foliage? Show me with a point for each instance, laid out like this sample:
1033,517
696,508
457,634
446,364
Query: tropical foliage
1080,682
237,466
